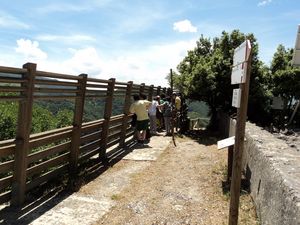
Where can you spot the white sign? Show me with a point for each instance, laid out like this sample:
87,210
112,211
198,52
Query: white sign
226,142
296,56
240,54
236,98
238,74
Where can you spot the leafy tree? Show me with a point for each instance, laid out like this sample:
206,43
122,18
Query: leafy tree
285,80
204,74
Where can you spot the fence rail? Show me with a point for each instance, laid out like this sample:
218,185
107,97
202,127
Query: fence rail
30,160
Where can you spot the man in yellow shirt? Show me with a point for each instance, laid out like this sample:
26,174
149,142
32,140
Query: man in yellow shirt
139,107
177,102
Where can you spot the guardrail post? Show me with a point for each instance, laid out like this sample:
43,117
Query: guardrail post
22,136
142,88
77,124
158,90
126,112
106,116
150,94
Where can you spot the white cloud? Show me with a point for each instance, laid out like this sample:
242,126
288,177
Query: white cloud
149,65
8,21
184,26
263,3
30,49
71,38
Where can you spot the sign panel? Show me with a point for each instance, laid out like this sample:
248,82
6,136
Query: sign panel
240,54
238,74
226,142
296,56
236,98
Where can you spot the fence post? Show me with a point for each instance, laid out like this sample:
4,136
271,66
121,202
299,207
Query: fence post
142,88
164,90
106,116
22,136
158,90
150,94
126,113
77,124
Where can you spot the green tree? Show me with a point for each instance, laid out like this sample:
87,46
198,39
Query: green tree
204,74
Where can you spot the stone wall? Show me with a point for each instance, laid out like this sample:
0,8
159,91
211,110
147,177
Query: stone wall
273,169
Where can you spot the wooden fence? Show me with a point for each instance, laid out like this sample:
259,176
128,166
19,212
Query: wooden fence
64,149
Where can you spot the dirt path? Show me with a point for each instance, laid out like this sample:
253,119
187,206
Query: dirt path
184,186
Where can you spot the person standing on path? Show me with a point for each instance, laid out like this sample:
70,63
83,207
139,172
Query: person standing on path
166,108
139,107
152,115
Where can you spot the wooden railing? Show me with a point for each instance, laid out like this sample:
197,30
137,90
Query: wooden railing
30,160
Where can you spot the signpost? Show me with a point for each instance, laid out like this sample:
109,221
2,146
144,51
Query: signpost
241,75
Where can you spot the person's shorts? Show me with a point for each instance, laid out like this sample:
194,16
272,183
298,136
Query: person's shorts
142,125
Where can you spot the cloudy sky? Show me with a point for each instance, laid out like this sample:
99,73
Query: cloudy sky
134,40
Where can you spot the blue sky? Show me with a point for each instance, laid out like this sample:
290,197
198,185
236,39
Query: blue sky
133,40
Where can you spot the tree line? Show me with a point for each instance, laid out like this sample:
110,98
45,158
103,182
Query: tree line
204,74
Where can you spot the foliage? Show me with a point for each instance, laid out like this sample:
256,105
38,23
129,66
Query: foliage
204,74
8,119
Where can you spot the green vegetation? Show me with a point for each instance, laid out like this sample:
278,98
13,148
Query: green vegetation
204,75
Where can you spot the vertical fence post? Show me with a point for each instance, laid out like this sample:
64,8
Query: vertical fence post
106,116
164,90
22,136
126,113
150,94
158,90
142,88
77,124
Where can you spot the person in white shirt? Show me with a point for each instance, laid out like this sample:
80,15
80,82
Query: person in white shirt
152,115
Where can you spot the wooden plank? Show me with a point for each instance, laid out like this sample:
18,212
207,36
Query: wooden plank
112,143
89,154
56,161
55,90
5,197
115,128
6,166
49,139
11,89
102,86
89,146
91,128
96,80
57,75
114,136
90,137
48,152
9,80
55,83
4,69
22,136
49,133
7,150
5,182
46,177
